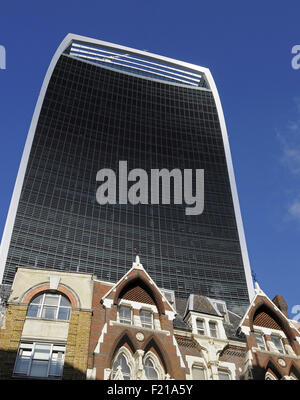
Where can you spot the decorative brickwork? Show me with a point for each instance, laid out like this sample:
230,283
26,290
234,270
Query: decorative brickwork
265,320
137,293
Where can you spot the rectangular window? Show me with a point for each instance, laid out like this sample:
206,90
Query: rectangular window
40,360
146,319
213,329
223,375
278,343
260,341
198,373
125,315
200,327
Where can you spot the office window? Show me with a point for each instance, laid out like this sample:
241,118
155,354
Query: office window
200,327
146,319
278,343
198,373
223,375
213,329
260,341
40,360
50,306
125,315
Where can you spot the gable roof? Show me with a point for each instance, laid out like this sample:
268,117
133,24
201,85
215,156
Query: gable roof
138,266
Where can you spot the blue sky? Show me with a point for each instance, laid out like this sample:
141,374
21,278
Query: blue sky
246,45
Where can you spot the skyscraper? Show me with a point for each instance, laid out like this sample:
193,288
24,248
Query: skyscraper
100,104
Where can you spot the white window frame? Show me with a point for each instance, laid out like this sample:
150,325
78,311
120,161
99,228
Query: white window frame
280,340
215,324
224,371
32,346
261,335
201,329
147,325
42,304
122,320
130,362
199,366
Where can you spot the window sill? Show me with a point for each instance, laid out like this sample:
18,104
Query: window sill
47,319
277,354
139,327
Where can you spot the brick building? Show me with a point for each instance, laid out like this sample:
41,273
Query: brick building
66,325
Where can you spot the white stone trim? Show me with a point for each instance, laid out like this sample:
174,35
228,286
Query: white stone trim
101,338
228,367
108,303
178,352
197,361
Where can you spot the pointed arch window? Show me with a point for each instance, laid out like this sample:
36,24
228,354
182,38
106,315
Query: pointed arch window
121,368
150,371
153,369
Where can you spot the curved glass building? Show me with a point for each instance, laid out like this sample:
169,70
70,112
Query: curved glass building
102,103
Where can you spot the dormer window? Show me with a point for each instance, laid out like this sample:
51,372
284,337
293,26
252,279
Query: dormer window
278,343
213,329
146,319
125,315
200,327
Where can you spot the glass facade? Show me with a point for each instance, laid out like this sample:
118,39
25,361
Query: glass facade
92,117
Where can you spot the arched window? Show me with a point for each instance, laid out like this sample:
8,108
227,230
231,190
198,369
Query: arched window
121,369
153,369
150,370
50,306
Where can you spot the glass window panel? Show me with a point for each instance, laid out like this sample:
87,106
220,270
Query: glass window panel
278,343
224,376
42,351
65,302
146,318
213,329
39,368
198,373
37,300
51,300
122,362
33,310
49,312
260,341
63,313
150,371
23,361
200,327
125,314
56,364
